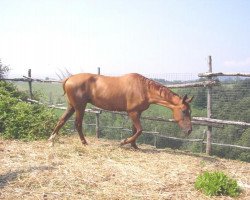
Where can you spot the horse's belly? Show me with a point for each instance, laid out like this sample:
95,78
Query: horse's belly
118,104
110,104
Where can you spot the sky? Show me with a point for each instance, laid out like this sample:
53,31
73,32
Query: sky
151,37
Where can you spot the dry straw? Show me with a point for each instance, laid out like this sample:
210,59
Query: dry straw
104,170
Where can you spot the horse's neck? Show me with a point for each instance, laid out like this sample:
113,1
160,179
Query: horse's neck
163,96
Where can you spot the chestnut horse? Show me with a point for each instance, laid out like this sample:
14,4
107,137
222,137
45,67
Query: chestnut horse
132,93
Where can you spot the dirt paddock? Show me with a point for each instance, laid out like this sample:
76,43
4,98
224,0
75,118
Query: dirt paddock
104,170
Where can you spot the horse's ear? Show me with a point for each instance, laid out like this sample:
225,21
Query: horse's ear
189,100
185,99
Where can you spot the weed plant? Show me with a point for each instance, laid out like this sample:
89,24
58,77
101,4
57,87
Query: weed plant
216,184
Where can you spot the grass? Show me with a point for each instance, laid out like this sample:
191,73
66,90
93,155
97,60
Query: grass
104,170
217,183
51,92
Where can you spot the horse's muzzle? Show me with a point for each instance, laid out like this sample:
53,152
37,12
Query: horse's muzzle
188,131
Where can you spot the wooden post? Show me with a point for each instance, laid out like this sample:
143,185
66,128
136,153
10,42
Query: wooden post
30,84
155,141
155,138
97,126
203,139
97,115
209,109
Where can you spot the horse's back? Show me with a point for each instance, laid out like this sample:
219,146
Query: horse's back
107,92
94,80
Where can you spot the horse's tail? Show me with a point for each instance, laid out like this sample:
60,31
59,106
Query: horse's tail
64,82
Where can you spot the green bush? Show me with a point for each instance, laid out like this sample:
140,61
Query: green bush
22,120
217,183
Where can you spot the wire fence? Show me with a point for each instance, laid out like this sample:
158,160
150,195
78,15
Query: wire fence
230,100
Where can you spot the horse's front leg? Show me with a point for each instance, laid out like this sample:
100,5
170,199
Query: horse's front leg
133,143
137,129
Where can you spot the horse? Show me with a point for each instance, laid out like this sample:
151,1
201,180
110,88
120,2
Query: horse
132,93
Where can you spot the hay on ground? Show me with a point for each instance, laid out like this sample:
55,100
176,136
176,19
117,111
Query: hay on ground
104,170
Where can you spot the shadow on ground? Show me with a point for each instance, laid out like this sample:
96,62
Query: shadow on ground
8,177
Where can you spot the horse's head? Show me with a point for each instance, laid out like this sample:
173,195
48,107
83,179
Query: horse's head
182,114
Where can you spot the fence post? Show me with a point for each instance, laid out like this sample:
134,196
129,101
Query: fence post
203,139
209,109
155,141
155,138
30,84
97,126
97,115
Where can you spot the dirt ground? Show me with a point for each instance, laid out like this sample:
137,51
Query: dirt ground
104,170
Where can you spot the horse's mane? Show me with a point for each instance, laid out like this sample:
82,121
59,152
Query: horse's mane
162,89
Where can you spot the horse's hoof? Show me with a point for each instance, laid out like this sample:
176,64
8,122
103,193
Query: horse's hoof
84,143
123,142
134,146
51,144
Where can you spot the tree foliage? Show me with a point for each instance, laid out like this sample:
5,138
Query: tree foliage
22,120
3,70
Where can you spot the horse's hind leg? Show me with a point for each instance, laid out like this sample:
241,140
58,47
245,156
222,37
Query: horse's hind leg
78,123
67,114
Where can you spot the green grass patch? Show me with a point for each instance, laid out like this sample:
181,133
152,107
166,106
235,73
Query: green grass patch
51,93
216,184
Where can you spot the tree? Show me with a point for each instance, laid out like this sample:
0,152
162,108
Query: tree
3,70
